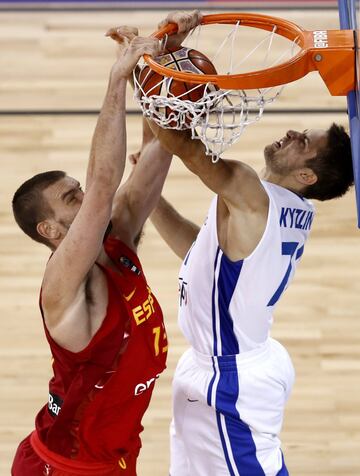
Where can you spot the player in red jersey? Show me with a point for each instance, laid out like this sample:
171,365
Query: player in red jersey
103,324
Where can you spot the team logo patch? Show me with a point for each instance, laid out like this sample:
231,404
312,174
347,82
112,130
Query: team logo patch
129,264
54,404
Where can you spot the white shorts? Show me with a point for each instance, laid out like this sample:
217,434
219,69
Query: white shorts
228,413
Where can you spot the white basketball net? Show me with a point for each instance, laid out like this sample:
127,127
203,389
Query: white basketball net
220,116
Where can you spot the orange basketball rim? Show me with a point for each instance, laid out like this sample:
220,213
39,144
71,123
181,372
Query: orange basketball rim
330,52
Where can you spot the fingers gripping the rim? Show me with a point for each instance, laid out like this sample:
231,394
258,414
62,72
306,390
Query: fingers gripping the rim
128,36
142,46
122,33
185,21
131,54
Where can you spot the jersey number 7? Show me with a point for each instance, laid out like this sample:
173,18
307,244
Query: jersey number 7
289,248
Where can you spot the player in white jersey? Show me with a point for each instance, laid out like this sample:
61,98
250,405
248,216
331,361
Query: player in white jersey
231,386
226,312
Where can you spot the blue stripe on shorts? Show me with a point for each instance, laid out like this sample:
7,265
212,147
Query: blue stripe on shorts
239,444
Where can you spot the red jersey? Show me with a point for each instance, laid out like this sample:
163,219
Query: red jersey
97,397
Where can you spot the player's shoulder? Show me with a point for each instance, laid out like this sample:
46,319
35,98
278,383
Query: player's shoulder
283,195
245,192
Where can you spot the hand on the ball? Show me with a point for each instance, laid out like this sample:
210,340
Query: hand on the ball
132,47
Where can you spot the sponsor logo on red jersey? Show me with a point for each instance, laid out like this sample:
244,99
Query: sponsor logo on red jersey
54,404
142,387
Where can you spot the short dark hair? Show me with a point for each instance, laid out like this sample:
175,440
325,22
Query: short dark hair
29,205
333,167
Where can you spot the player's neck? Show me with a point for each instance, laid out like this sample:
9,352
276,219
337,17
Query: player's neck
287,181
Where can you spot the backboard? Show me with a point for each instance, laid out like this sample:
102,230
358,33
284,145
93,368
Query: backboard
349,11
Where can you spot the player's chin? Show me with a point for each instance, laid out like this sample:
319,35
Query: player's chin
269,152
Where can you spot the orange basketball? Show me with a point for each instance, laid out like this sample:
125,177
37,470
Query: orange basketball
183,59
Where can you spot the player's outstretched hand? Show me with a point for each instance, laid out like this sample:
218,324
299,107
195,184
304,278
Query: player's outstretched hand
132,47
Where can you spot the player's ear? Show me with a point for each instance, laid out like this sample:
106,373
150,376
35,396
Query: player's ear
48,230
306,176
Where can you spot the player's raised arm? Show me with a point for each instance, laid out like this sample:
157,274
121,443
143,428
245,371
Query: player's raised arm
78,246
235,182
139,195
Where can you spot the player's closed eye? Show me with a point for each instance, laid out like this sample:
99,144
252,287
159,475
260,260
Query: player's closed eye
305,140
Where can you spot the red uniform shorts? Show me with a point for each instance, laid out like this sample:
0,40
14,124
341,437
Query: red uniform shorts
42,462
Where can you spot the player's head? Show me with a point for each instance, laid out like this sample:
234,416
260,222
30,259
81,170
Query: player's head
45,206
318,160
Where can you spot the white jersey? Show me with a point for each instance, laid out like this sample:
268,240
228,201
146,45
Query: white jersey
227,307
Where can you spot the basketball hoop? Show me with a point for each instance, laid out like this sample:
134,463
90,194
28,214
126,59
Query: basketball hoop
232,101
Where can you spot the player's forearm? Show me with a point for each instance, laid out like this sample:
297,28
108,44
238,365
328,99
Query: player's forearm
107,158
152,166
192,152
137,198
176,142
234,181
108,150
148,179
178,232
